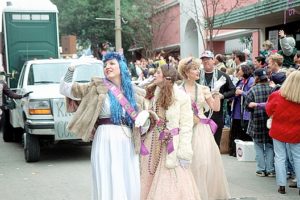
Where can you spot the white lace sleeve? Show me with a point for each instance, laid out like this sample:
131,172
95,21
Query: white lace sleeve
66,89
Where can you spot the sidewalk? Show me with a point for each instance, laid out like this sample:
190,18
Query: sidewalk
244,183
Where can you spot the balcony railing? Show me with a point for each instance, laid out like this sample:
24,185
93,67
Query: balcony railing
255,10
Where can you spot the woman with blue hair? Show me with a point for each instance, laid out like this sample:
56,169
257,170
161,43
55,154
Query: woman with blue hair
106,113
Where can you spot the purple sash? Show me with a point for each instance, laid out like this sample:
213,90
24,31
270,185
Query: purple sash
167,136
127,107
213,126
121,99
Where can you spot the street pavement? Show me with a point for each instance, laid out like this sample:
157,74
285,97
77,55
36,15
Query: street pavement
64,173
244,183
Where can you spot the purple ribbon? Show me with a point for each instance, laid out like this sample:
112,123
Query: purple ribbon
144,151
213,126
167,136
195,108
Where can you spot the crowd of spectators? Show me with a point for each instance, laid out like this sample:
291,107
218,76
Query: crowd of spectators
244,112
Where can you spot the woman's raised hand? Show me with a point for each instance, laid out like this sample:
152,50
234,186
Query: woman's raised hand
83,60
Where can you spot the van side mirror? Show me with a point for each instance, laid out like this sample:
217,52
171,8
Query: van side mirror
9,75
14,74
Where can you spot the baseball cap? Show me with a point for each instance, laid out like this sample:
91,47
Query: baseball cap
207,54
261,73
278,78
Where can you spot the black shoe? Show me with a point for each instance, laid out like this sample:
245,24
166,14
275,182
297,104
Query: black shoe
281,189
260,173
271,174
293,185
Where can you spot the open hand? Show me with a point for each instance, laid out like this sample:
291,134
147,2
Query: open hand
219,83
281,33
83,60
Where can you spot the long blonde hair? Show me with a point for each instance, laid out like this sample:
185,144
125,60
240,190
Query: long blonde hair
290,87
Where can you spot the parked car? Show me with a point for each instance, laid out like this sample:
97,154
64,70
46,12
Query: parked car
42,117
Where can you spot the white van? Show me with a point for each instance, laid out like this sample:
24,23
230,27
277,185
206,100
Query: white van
42,117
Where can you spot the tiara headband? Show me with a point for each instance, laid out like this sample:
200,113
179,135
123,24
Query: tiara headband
188,62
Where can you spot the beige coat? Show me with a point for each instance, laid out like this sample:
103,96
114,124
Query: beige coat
179,115
92,97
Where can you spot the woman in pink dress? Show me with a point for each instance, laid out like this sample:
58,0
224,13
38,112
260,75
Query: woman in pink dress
165,172
207,166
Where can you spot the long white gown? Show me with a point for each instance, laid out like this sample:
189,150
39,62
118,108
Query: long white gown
207,165
115,166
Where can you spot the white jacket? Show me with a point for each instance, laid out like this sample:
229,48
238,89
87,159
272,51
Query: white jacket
179,115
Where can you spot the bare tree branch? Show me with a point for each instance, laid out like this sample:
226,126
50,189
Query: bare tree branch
210,9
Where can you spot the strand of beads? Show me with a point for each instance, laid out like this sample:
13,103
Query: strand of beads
156,145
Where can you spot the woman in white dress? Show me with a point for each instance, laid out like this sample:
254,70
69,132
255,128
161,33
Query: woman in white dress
207,166
103,118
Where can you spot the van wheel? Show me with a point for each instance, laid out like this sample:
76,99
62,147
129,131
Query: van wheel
31,148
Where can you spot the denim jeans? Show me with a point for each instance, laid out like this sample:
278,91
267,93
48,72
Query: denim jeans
280,161
295,150
264,157
289,162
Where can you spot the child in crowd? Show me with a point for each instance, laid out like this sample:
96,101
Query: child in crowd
267,49
288,50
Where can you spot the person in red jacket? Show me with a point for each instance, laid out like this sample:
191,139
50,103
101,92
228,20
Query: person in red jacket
284,107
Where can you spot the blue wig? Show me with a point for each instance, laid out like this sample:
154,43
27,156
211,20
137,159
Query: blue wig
126,85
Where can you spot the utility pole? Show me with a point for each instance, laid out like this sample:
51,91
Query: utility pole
118,28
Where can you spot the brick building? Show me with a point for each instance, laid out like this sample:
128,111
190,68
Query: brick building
257,20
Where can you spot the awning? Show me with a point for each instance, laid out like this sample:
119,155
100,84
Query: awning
260,15
233,34
135,49
172,47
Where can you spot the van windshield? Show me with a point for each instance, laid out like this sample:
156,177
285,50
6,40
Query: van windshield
51,73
